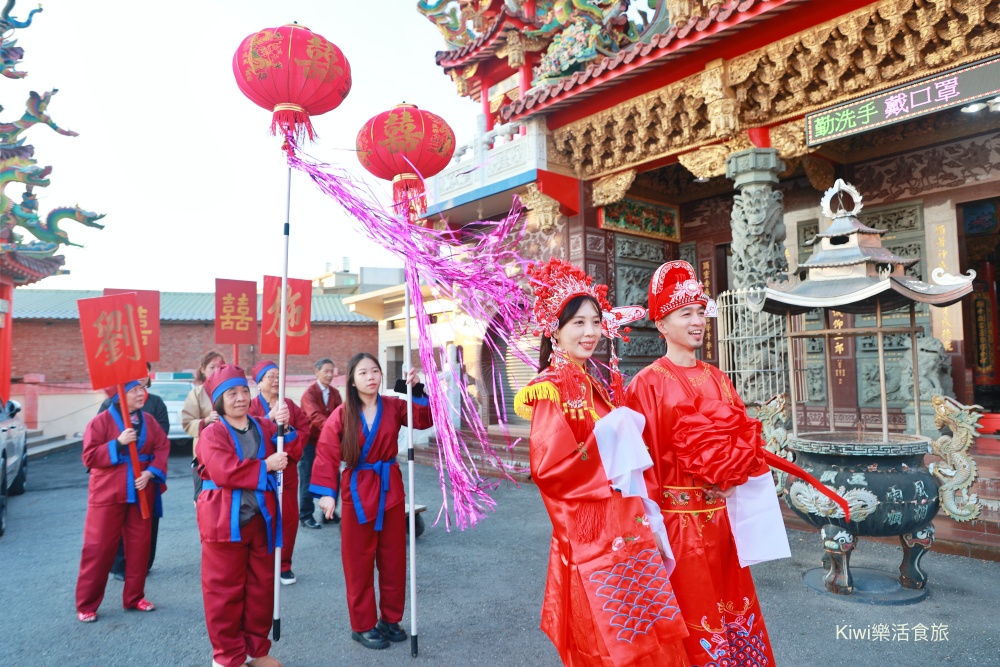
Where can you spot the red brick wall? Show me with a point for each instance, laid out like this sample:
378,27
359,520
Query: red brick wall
55,349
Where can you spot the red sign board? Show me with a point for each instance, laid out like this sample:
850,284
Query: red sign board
235,312
111,339
299,309
147,317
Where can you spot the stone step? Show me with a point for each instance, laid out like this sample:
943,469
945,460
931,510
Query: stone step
53,445
38,438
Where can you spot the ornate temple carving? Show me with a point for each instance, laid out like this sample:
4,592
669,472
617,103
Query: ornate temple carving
869,49
758,229
819,171
543,211
723,109
611,189
706,162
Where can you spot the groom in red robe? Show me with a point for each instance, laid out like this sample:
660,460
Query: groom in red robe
709,478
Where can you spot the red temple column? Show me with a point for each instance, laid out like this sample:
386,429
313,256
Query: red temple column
6,336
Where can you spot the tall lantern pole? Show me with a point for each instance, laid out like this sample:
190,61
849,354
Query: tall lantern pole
405,145
294,73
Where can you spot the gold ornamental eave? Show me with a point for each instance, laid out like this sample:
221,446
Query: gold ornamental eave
886,44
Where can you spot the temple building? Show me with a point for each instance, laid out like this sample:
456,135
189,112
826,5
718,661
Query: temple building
638,132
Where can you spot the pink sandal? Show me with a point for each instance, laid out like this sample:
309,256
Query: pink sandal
143,605
87,616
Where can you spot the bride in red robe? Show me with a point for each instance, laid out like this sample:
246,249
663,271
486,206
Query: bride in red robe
608,599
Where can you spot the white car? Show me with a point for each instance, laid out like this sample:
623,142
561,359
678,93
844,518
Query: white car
13,457
173,393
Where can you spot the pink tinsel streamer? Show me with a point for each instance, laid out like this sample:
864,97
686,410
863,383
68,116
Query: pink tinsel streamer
483,283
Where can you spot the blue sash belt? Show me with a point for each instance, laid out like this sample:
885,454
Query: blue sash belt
381,468
131,495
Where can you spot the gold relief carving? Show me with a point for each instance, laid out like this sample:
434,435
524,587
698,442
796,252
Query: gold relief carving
611,189
789,140
820,172
513,49
722,106
682,11
881,45
706,162
543,211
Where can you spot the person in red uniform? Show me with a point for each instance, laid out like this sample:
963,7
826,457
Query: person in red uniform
112,509
265,374
364,433
238,522
587,460
709,476
319,400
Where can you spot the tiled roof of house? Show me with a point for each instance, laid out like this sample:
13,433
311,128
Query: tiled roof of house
696,34
45,304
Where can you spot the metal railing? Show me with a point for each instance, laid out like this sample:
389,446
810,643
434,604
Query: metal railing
752,350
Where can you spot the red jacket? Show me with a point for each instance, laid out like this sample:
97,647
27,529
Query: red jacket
317,410
327,480
111,481
228,474
297,421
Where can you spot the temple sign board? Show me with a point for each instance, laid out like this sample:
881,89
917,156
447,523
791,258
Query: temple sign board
943,91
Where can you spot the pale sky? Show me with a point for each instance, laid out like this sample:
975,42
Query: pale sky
181,162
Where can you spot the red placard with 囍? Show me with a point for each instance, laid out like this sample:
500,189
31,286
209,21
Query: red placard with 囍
299,309
235,312
147,317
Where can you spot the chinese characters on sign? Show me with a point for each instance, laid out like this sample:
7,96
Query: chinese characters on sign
299,312
147,318
940,92
111,339
940,241
706,279
894,632
235,312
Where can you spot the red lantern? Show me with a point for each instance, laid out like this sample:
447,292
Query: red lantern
406,145
294,73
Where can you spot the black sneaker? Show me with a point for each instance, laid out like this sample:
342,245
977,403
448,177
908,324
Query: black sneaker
310,522
391,631
371,639
287,577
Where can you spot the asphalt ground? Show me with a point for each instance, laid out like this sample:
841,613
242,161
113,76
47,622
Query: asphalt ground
480,592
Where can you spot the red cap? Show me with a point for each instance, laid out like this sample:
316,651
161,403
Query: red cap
673,286
261,369
226,377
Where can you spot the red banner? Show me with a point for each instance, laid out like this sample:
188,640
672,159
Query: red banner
299,308
147,317
111,339
235,311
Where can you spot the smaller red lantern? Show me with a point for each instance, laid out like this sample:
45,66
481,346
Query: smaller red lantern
406,145
294,73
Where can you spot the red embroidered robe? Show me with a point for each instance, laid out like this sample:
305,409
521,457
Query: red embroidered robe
695,442
608,600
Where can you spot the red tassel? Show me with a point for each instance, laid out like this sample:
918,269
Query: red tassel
408,194
292,122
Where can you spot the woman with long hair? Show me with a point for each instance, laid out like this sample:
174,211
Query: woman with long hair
198,412
363,433
239,522
608,598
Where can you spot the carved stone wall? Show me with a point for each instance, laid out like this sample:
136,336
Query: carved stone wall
635,260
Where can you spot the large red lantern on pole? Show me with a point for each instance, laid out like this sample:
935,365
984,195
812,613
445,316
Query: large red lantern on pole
294,73
406,145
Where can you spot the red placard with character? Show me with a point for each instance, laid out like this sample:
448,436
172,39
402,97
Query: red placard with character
147,318
299,309
235,311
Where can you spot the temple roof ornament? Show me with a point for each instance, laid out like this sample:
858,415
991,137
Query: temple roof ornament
852,272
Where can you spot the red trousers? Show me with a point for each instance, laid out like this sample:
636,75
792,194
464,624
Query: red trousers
104,526
363,549
289,514
237,584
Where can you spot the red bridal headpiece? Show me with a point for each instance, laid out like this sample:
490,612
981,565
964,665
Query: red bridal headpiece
555,283
675,285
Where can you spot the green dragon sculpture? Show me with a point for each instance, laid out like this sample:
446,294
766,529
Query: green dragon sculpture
48,232
957,470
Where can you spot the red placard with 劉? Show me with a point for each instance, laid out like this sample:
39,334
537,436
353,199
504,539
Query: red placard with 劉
235,311
112,340
147,318
299,308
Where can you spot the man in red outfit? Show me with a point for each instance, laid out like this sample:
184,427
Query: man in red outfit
112,509
709,477
319,400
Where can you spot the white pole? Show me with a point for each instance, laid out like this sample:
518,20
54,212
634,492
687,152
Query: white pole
283,338
409,464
